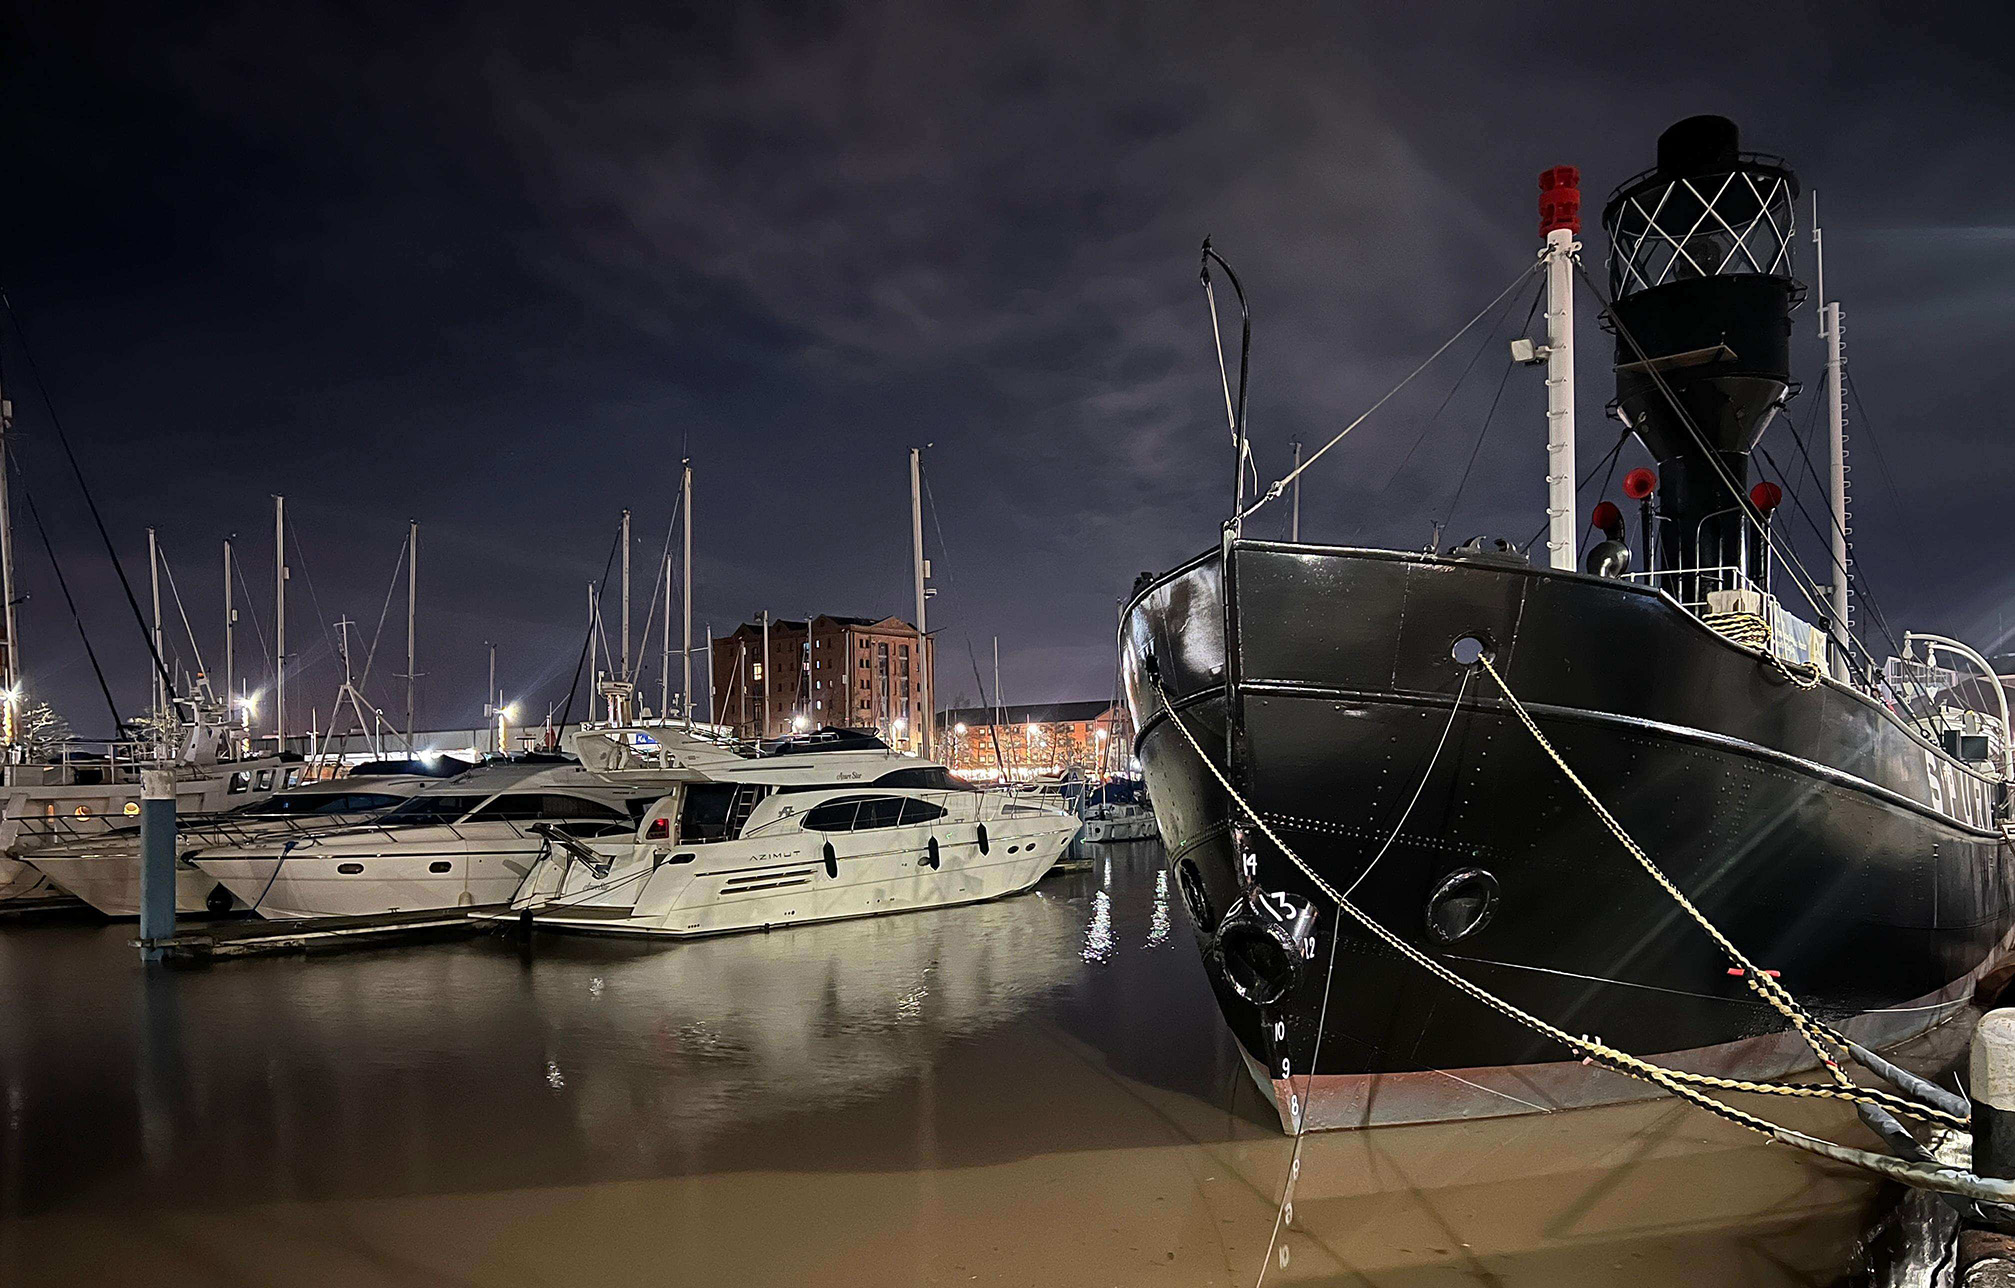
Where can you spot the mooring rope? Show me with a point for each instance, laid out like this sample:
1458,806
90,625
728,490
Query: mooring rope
1677,1082
1816,1033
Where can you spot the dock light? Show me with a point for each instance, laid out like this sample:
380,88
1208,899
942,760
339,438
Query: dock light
800,724
960,728
1639,484
248,703
1035,733
1101,735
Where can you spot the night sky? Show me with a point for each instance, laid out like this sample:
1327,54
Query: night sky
497,268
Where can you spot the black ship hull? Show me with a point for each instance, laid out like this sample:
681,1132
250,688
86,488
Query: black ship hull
1827,839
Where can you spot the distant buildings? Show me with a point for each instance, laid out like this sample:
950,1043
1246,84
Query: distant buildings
853,672
1028,741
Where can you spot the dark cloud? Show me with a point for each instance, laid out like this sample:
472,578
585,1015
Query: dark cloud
496,268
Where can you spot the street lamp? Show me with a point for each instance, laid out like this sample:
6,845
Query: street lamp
505,714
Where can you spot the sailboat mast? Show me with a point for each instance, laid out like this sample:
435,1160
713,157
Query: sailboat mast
921,570
160,679
626,597
412,610
10,674
686,600
230,634
280,622
594,646
665,661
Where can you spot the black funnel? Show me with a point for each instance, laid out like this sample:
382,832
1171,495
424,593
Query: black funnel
1700,268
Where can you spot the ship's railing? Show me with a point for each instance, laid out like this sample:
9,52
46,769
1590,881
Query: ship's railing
1726,599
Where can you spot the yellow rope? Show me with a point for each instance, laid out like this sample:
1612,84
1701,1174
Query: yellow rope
1678,1082
1816,1034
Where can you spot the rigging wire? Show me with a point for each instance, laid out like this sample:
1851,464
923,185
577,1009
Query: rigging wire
97,519
371,655
1482,348
322,617
63,584
1609,459
195,649
1274,491
1286,1203
258,631
1477,450
1806,584
567,710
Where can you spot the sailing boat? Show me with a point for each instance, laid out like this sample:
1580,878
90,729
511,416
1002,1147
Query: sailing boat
1397,729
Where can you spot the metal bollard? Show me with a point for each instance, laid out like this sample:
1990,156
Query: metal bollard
157,861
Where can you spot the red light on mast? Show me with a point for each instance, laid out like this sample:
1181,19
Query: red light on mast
1606,517
1639,484
1766,496
1559,199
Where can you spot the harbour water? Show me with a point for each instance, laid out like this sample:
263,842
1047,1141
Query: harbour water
1036,1090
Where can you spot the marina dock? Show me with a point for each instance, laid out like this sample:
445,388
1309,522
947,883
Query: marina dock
257,937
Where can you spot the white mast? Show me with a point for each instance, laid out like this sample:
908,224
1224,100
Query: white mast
412,609
626,597
1560,470
594,649
922,569
10,674
763,729
1836,456
280,622
686,600
665,661
492,700
160,678
230,635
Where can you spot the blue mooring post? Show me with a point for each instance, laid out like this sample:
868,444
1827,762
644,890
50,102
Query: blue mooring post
157,861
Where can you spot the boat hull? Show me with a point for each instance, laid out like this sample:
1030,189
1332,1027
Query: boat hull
111,884
337,879
757,884
1810,825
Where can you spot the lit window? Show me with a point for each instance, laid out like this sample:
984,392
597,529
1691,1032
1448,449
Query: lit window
758,669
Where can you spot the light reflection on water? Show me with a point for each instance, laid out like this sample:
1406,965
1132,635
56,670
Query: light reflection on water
991,1091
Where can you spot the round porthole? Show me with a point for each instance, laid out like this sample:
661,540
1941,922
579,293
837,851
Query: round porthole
1461,905
1470,649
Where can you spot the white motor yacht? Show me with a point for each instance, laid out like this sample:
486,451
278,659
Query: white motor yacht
104,871
89,791
466,842
825,826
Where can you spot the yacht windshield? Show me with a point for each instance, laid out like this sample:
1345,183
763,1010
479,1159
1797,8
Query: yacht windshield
290,804
433,809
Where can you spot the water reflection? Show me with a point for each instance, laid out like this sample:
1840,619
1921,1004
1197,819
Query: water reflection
991,1091
1098,936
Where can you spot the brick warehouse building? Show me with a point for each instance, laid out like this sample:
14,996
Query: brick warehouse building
854,672
1044,738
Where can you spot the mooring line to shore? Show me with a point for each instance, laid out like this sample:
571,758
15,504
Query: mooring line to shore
1679,1083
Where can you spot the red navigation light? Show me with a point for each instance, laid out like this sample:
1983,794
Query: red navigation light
1639,483
659,830
1559,199
1766,496
1606,517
